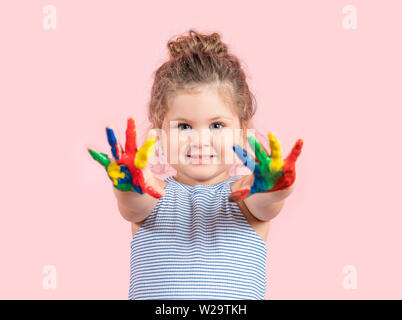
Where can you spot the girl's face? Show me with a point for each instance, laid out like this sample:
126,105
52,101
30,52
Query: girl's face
201,130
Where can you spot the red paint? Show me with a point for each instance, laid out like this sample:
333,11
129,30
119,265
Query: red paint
117,150
288,169
239,195
127,158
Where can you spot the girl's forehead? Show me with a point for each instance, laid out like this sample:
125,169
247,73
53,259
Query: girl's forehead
203,105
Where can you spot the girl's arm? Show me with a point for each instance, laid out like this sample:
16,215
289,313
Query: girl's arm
261,212
266,206
136,207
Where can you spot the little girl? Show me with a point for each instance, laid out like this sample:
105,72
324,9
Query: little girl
189,240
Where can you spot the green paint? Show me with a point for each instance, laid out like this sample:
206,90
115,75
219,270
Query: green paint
104,160
264,179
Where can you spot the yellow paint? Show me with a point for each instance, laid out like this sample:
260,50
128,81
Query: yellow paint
276,155
145,152
114,172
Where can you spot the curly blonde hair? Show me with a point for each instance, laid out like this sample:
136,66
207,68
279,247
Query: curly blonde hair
197,60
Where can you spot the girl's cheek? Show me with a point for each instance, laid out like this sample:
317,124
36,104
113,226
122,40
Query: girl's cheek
176,149
225,140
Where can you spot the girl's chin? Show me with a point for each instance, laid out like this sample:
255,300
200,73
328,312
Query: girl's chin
202,162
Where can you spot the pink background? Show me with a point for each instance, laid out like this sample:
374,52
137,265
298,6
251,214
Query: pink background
337,89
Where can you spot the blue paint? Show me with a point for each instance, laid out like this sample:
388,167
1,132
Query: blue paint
111,138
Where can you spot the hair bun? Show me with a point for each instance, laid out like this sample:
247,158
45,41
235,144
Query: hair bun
196,41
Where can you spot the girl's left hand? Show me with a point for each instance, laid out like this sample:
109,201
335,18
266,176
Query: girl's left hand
271,173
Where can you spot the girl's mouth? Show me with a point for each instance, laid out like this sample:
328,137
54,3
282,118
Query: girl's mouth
200,157
207,159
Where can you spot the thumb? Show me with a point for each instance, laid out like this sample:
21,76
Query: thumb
145,152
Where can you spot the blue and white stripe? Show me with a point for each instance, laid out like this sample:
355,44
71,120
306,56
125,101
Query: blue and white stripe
197,245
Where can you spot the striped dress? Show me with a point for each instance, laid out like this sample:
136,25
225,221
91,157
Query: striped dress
196,245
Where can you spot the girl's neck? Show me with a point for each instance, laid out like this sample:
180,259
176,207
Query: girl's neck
192,182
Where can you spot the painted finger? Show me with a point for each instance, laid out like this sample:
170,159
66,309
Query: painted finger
131,137
145,152
111,138
245,159
276,156
239,195
288,170
154,192
102,158
259,152
295,152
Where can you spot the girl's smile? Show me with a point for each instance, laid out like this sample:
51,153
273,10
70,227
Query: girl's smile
201,159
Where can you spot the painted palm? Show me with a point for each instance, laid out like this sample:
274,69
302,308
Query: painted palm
270,172
126,169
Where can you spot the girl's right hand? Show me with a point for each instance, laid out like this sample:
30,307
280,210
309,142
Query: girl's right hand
129,171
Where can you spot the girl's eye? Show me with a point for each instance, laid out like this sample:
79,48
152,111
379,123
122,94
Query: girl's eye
182,124
186,126
218,123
